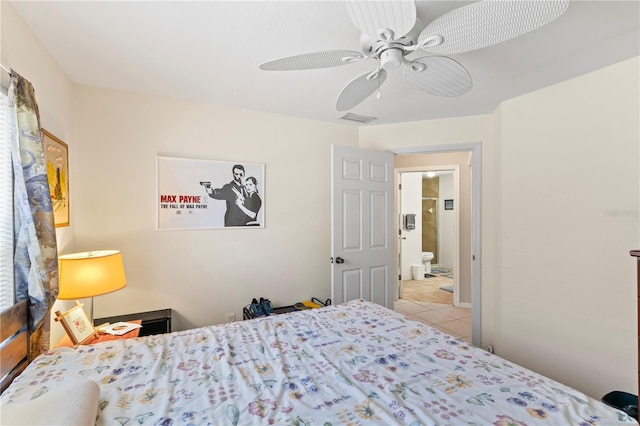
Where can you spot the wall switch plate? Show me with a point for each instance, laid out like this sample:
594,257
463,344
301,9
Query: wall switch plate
231,317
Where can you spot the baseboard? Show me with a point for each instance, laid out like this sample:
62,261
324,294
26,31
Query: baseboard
465,305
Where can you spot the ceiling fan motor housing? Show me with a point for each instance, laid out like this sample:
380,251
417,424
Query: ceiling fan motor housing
374,47
391,58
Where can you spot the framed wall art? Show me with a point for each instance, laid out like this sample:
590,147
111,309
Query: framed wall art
448,204
208,194
56,155
77,325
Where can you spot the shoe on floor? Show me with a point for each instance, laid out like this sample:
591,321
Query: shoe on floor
300,306
266,306
256,309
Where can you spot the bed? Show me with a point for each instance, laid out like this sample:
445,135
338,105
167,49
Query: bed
356,363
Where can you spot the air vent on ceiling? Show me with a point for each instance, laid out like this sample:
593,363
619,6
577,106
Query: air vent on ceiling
357,118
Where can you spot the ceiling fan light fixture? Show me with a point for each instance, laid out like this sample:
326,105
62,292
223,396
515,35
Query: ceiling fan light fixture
391,59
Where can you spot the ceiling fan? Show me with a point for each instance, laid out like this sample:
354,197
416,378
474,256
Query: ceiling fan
391,32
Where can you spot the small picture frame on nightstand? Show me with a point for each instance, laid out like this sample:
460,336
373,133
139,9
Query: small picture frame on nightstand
77,325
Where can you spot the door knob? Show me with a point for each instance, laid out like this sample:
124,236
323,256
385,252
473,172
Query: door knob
339,260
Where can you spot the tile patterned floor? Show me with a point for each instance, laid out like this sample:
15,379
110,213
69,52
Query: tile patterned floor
424,301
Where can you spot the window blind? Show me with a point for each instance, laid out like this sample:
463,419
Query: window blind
7,293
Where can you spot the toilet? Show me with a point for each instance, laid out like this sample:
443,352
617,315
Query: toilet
427,257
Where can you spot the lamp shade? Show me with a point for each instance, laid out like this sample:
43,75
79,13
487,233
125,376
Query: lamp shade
89,274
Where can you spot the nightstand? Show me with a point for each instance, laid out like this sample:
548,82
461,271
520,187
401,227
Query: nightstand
102,337
153,322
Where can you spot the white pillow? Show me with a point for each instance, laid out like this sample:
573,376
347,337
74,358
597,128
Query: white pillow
74,403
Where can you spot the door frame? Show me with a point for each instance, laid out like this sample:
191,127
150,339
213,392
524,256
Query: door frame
456,231
476,221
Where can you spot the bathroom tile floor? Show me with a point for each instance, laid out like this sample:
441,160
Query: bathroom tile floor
428,290
424,301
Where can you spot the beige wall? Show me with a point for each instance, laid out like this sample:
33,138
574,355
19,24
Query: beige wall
53,88
560,203
205,274
114,139
560,199
570,199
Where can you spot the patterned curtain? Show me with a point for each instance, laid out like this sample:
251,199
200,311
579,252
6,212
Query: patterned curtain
36,254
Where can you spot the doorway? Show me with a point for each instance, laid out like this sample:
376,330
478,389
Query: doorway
469,160
422,192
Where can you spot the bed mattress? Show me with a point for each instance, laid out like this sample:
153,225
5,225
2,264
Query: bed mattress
355,363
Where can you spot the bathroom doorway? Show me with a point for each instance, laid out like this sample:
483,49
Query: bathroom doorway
422,193
468,156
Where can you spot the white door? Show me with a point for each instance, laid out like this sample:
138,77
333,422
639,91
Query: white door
362,247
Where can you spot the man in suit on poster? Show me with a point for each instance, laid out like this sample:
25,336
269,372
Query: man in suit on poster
231,192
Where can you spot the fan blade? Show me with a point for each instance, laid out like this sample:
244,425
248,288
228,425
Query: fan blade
372,16
308,61
360,89
489,22
438,75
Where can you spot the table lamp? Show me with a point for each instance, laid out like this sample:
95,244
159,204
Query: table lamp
90,274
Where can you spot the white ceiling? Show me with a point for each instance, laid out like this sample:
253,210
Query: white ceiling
210,51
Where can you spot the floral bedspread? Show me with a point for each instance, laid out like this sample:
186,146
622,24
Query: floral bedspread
356,363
